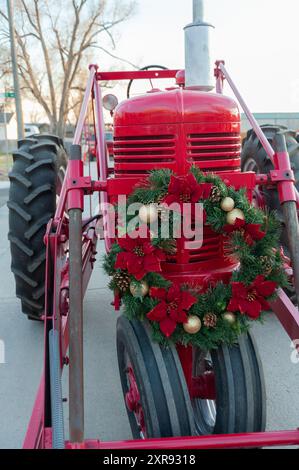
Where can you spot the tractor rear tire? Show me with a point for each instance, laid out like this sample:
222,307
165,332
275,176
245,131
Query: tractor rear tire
254,158
164,406
240,404
35,181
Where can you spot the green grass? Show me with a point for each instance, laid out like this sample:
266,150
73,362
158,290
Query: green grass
5,165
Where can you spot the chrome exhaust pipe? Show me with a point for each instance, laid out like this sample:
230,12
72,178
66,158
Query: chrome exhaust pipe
198,60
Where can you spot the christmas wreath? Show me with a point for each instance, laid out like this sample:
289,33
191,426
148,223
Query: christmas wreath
201,315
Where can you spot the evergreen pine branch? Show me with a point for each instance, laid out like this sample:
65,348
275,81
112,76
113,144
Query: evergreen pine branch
216,298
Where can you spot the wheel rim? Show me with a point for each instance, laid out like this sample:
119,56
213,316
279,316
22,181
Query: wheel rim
205,411
132,398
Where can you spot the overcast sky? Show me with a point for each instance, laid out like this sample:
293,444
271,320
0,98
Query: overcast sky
257,38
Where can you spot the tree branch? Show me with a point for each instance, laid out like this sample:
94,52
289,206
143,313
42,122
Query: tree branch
116,57
55,82
47,60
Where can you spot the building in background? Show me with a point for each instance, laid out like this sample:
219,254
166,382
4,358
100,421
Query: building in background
8,120
8,131
289,120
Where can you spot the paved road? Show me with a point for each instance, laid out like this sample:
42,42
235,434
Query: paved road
105,412
4,187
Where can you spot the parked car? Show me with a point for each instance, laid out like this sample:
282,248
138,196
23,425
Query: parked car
31,129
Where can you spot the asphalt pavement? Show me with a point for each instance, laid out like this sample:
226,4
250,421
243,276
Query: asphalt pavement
105,415
4,188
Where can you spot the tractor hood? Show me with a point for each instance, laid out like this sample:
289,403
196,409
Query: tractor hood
175,107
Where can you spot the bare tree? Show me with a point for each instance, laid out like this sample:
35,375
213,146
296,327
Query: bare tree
55,40
5,65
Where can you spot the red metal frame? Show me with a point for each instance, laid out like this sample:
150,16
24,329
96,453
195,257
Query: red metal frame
39,433
221,73
222,441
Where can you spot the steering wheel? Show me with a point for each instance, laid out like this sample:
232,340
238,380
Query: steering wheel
147,67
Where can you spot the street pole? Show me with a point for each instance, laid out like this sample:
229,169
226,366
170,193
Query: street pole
15,70
5,136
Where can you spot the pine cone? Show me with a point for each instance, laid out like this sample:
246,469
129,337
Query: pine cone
267,265
210,320
215,194
122,281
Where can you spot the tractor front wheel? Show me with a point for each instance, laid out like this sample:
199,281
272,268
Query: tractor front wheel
153,383
237,403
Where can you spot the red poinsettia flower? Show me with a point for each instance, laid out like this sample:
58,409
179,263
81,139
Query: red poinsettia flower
172,308
251,300
252,232
185,189
139,256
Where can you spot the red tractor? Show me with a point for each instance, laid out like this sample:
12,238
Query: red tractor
191,397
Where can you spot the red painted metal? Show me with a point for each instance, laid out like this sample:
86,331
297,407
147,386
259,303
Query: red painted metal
100,133
262,179
284,177
287,314
180,78
203,386
177,129
132,400
178,106
102,162
75,181
136,75
173,129
208,263
77,138
223,441
222,74
35,431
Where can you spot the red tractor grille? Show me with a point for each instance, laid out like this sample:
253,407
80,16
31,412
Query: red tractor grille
139,155
211,249
214,152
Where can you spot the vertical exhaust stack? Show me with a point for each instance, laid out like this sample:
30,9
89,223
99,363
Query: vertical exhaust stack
198,61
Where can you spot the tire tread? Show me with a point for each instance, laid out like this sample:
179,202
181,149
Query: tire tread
32,203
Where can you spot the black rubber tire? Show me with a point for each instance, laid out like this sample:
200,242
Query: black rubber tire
160,380
240,403
254,152
35,180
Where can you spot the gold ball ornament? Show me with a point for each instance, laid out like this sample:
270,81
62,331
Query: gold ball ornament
148,214
193,325
234,215
139,289
229,317
227,204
